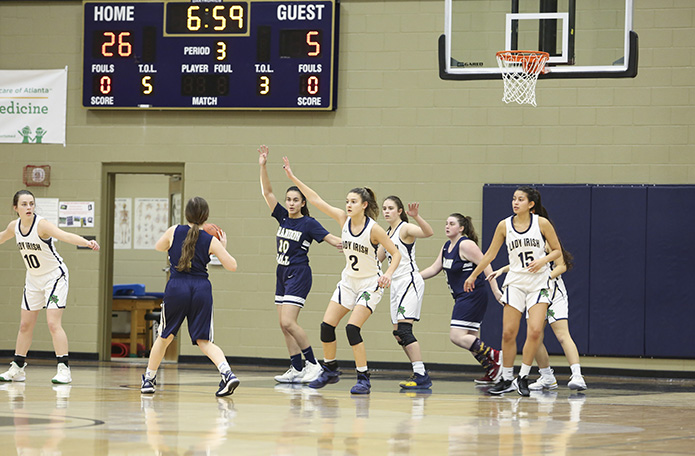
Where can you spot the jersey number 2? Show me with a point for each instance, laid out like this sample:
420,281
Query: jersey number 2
32,261
353,258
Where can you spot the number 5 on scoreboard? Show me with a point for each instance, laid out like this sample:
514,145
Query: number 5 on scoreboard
147,85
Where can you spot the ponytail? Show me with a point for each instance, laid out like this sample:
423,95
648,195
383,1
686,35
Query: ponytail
197,211
367,194
467,223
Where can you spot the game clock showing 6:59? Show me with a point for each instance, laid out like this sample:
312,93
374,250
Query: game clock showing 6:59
210,54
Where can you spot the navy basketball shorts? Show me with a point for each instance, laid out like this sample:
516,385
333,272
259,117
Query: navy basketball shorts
469,310
292,284
189,298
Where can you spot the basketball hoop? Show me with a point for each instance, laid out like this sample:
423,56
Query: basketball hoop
520,70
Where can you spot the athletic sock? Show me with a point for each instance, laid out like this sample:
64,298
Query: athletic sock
361,369
224,367
150,374
525,370
20,360
508,373
419,367
63,359
296,361
545,371
576,369
309,355
483,360
479,347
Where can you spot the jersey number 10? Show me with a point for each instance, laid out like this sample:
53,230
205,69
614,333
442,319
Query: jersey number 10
32,261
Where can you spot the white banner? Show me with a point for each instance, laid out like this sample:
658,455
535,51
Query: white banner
33,105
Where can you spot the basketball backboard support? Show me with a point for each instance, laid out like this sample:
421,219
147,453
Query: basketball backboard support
585,38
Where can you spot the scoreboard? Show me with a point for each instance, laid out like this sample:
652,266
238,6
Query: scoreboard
214,54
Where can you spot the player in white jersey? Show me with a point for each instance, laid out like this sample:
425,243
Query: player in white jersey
361,284
526,285
558,317
46,285
407,286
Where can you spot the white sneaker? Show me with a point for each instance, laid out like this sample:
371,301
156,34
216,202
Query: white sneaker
291,376
14,373
577,383
311,372
544,382
63,375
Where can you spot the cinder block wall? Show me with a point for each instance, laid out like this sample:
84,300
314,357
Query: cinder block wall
398,128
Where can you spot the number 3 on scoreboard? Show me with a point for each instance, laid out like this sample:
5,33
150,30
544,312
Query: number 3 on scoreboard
263,85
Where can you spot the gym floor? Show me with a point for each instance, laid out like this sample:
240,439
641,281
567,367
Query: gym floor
103,413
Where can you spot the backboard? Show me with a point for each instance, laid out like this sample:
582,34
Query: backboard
585,38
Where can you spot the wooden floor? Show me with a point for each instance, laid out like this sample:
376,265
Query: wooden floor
102,412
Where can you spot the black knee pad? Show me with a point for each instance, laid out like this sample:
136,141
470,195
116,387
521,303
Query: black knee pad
404,334
353,334
327,332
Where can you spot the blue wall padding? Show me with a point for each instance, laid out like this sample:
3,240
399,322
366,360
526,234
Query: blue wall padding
618,241
670,309
569,209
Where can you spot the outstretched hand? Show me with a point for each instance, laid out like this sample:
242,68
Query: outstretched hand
92,244
263,155
286,167
413,209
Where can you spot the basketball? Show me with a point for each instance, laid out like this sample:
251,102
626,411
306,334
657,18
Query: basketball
212,229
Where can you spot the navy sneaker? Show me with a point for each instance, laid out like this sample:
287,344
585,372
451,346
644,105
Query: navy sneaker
417,381
228,384
363,385
148,385
325,377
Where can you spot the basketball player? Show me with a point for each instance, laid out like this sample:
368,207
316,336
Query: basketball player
361,284
458,257
407,286
188,294
526,287
46,285
557,316
293,275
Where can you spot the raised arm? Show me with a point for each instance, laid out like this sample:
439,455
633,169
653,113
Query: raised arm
421,230
333,212
219,249
266,188
47,229
8,233
490,255
334,240
434,269
379,236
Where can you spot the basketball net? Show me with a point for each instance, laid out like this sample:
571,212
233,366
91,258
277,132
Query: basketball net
520,70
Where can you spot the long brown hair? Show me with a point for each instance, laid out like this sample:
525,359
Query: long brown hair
467,223
399,205
538,208
15,199
367,194
197,211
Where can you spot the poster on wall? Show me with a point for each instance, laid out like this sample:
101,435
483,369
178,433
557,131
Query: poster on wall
150,217
33,105
122,224
76,214
48,209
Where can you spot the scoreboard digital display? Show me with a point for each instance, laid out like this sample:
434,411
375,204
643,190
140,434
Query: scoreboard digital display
188,54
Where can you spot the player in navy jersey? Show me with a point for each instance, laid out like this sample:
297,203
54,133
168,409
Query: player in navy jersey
526,287
46,285
362,283
295,233
457,258
188,293
407,286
